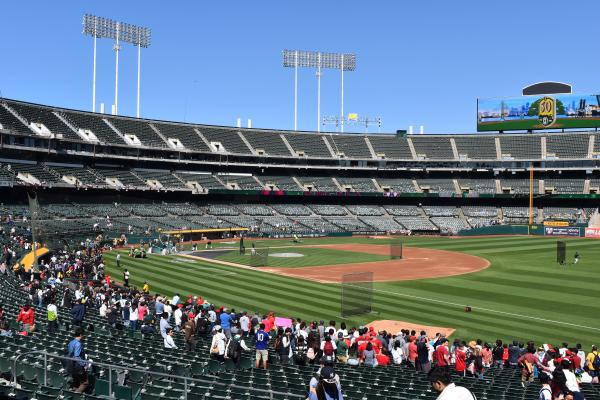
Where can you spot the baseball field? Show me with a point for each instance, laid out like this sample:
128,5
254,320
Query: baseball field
512,283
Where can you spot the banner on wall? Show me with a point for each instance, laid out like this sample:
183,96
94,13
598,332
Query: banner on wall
561,231
556,223
592,233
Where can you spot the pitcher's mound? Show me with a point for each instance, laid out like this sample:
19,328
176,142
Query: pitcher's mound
396,326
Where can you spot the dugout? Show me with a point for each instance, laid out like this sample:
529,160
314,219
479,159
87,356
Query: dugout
190,235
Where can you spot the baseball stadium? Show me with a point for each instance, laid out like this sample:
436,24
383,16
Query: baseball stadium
153,258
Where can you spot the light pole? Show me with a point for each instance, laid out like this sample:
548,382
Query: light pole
318,60
99,27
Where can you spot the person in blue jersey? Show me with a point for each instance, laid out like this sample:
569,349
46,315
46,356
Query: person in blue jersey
262,345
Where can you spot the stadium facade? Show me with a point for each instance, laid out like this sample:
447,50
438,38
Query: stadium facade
168,175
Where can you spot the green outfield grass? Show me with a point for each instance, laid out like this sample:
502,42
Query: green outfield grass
523,295
310,257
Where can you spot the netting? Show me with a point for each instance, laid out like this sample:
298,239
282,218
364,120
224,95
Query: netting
259,257
561,252
396,250
357,294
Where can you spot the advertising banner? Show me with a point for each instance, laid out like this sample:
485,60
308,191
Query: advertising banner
592,233
561,231
560,111
556,223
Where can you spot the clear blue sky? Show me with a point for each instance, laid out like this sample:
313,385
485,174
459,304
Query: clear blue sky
418,62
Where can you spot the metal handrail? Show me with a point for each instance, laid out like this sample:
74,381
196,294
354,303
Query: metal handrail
120,367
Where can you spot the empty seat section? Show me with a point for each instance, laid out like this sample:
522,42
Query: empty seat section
44,116
240,182
140,129
366,210
416,223
166,179
320,184
436,185
35,170
433,147
312,145
521,146
358,184
392,146
397,185
12,123
83,175
280,182
351,146
184,133
95,124
478,185
227,137
573,145
124,176
476,147
564,185
207,181
270,142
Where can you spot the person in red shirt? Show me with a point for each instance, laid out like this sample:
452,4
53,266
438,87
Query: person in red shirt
412,351
382,359
27,318
527,361
461,359
441,356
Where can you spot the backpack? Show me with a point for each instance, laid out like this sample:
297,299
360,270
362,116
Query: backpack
278,344
328,348
232,350
596,362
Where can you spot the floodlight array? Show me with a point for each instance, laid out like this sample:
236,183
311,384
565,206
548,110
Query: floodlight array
107,28
315,59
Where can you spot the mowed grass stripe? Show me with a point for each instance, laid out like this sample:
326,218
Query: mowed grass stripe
219,285
167,263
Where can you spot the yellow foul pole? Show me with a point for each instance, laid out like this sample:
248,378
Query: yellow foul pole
531,194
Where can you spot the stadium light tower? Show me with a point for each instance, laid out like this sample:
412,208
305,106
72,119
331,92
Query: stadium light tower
318,60
99,27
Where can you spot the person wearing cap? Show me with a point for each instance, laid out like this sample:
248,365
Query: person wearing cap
341,350
217,346
441,382
326,386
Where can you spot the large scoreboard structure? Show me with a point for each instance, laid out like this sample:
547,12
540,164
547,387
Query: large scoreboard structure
539,108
